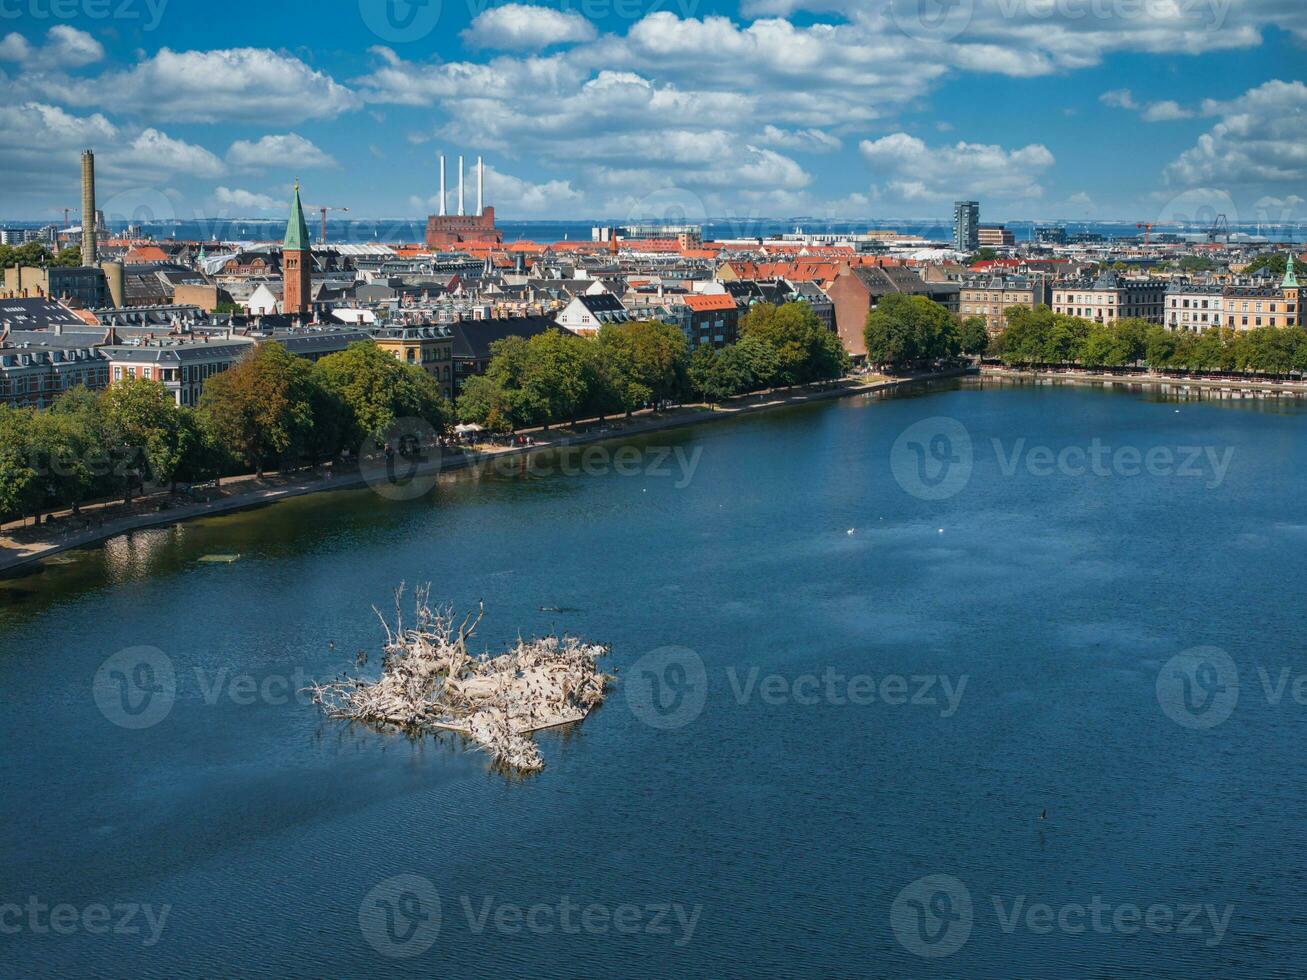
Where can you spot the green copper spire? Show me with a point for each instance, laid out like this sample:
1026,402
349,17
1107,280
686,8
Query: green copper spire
297,231
1290,277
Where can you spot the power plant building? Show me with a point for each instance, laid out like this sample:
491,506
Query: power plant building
447,230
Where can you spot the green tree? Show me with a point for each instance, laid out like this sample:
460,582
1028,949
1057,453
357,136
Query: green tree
558,375
261,409
1275,263
647,360
720,374
143,421
804,350
20,491
497,399
904,329
361,392
974,335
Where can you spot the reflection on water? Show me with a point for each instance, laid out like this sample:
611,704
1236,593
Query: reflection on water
791,825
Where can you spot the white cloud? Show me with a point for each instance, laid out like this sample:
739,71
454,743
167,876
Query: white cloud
1260,140
152,149
289,150
40,154
65,47
919,173
243,200
1164,111
520,27
810,140
207,86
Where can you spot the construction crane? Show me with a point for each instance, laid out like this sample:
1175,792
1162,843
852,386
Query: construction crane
1219,227
1148,232
324,210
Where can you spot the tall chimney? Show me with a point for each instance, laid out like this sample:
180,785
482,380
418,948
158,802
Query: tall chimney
442,186
481,186
90,248
460,185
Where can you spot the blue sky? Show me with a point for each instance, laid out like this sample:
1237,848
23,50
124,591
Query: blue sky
1148,110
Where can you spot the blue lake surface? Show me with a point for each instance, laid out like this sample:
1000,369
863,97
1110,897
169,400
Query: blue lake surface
796,824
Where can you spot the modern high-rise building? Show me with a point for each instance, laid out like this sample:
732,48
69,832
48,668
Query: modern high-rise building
966,226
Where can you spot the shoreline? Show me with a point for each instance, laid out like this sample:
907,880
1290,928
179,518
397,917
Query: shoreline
1292,388
18,555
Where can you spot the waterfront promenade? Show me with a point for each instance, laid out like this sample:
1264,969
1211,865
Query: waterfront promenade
1262,385
23,545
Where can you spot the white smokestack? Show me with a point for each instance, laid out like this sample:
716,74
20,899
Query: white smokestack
481,186
443,195
461,211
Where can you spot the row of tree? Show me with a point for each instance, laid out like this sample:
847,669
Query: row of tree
34,253
272,408
904,331
556,377
1040,336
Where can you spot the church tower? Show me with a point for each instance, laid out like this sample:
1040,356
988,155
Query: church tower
1292,294
297,261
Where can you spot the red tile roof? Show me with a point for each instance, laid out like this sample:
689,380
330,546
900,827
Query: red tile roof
713,301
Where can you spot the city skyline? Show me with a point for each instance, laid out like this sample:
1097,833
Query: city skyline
1158,111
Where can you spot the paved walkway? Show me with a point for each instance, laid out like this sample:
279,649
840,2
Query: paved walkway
22,545
1218,384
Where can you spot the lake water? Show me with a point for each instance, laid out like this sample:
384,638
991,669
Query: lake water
929,719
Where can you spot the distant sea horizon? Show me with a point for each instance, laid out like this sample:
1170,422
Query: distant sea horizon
382,230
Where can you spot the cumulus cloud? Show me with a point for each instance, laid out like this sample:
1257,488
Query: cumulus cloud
284,150
243,200
1165,111
153,149
811,140
43,142
917,172
65,47
521,27
234,84
1259,140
